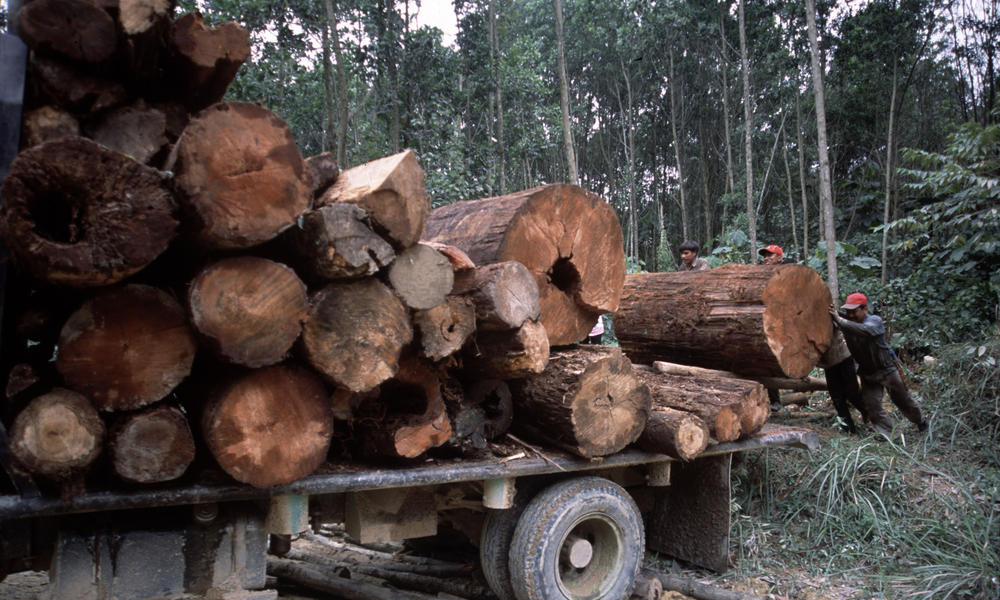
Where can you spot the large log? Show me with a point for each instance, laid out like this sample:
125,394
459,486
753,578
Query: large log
47,123
58,435
75,213
749,319
569,239
355,333
65,86
75,29
505,294
511,354
323,171
674,432
445,328
391,190
587,401
805,384
240,175
151,446
145,27
138,131
205,59
270,427
421,276
337,242
126,347
250,309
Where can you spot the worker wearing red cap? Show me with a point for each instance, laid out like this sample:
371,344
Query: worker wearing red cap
865,335
772,254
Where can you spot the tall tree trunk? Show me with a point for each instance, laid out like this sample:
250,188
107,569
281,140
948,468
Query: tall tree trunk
802,177
330,140
889,151
748,138
331,18
674,116
791,198
730,183
825,186
706,200
564,94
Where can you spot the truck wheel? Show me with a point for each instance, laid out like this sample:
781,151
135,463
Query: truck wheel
578,539
494,542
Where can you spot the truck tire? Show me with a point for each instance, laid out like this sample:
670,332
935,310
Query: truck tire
494,542
578,539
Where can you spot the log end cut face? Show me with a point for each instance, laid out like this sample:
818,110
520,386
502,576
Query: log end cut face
611,406
796,320
153,446
57,435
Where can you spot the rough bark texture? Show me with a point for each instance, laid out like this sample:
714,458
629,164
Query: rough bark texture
421,276
749,319
75,29
459,260
137,131
391,190
323,171
355,333
151,446
75,213
569,239
57,435
126,347
205,59
508,354
47,123
145,27
445,328
337,242
674,432
69,87
587,400
249,309
271,426
240,176
505,294
805,384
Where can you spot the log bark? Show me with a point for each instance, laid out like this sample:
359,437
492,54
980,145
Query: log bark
137,131
355,333
479,411
337,242
239,175
391,190
505,294
444,329
460,261
750,319
319,579
152,445
674,432
507,354
145,28
249,309
74,29
495,399
696,589
65,86
569,239
205,59
47,123
270,427
587,400
77,214
126,347
323,171
806,384
58,435
421,276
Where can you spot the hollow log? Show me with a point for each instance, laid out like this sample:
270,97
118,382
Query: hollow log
47,123
137,131
421,276
74,29
65,86
323,171
249,309
805,384
391,190
57,435
493,396
355,333
75,213
271,426
151,446
337,242
750,319
205,59
239,174
676,433
444,329
569,239
507,354
587,400
505,294
126,347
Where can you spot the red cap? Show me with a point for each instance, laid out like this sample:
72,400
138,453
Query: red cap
772,249
855,300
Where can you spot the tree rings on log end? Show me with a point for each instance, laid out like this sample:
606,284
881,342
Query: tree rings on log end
796,319
152,446
57,435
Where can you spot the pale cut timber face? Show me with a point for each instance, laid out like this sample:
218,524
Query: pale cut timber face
797,324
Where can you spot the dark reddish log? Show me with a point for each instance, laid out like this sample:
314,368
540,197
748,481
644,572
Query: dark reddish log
151,446
508,354
459,260
421,276
505,294
337,242
145,27
137,131
749,319
355,333
65,86
58,435
569,239
47,123
409,414
126,347
75,213
587,401
323,171
674,432
805,384
239,175
445,328
75,29
391,190
249,309
270,427
205,59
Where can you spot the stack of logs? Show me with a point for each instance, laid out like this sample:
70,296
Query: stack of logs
188,286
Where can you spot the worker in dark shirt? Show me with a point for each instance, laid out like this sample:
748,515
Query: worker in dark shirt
865,335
